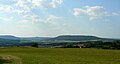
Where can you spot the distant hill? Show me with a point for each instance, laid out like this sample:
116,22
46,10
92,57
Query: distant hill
76,37
23,38
35,38
61,38
80,38
9,37
9,42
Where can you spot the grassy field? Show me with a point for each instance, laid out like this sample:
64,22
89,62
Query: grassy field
59,56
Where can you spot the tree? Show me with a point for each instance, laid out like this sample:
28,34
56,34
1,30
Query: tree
34,45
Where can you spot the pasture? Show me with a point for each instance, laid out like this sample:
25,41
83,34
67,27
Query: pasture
28,55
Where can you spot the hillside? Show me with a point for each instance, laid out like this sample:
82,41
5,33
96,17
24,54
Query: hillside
36,39
80,38
76,38
58,38
8,42
9,37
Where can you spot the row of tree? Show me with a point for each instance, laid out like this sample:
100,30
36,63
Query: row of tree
95,44
89,44
103,45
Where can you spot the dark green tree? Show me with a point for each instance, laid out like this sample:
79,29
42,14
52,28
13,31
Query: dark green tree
34,45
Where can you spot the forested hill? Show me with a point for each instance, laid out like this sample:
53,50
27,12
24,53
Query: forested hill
8,42
76,37
9,38
81,38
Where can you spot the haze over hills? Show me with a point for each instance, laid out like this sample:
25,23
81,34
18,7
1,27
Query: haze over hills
61,37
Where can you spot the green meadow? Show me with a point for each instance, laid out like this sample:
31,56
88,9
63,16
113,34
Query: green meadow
27,55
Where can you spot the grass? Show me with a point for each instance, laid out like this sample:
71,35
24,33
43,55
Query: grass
61,55
6,59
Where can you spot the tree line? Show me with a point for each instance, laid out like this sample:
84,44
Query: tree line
96,44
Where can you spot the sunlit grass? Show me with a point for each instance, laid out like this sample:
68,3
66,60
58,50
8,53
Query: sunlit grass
63,55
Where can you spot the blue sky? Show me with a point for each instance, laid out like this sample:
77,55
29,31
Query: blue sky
58,17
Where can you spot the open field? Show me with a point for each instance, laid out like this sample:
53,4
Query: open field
59,56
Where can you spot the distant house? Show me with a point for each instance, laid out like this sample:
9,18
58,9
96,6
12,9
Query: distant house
78,45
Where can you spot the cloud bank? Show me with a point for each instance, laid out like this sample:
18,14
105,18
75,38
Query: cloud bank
93,12
24,8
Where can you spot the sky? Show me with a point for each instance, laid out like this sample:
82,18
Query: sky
60,17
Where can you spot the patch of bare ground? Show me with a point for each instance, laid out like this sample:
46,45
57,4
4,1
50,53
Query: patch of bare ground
9,59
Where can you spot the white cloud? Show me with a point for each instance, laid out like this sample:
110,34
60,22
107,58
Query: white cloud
36,19
31,18
24,4
31,4
94,12
11,9
77,11
6,8
20,11
28,5
24,8
38,3
52,19
56,3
